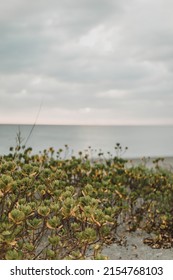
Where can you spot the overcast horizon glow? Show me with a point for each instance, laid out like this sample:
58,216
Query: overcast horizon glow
86,62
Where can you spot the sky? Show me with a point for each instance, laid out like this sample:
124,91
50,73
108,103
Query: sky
86,62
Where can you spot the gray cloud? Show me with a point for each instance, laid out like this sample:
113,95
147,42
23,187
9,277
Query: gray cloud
85,58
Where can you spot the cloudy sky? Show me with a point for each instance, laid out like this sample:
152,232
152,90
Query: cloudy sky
86,61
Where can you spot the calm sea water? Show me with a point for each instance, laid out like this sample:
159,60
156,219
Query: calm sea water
140,140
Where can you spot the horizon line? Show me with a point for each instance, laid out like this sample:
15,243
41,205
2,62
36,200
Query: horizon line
66,124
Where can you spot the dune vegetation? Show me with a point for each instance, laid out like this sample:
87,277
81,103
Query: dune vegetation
53,207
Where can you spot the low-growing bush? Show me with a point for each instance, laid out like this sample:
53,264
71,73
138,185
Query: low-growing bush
54,208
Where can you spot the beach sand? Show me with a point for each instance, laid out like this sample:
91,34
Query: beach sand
135,249
165,162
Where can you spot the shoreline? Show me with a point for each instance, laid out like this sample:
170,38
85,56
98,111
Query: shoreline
150,162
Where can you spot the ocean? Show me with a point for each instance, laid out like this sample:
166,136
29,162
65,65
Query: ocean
142,141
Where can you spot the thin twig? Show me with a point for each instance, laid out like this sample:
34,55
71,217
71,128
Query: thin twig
33,126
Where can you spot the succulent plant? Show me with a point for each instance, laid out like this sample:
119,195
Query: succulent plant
54,208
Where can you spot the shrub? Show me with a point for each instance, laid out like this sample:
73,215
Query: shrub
54,208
